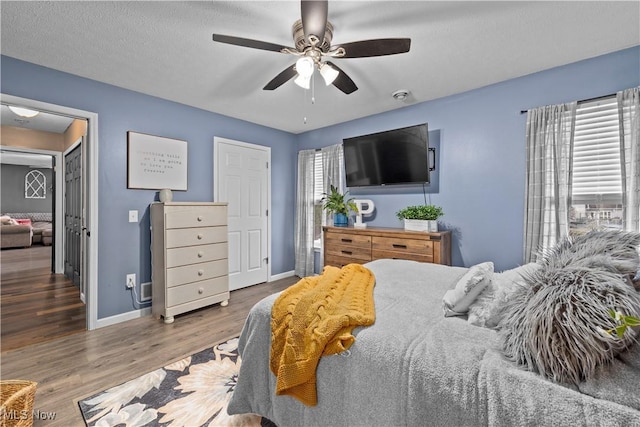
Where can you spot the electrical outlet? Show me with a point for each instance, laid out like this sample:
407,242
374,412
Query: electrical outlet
131,280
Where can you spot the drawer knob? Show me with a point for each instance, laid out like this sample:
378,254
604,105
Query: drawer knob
200,254
199,236
200,272
199,218
200,290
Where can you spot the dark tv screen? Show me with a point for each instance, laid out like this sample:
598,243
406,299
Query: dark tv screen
398,156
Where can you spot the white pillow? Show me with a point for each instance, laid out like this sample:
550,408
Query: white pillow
486,310
456,301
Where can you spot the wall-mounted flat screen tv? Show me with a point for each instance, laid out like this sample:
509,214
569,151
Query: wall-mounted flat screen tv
398,156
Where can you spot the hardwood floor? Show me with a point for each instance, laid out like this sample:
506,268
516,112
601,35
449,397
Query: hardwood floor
74,367
36,305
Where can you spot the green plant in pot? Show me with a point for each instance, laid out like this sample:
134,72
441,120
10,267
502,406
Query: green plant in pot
337,203
420,217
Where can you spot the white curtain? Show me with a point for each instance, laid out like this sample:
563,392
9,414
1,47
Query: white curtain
549,138
332,172
629,115
304,214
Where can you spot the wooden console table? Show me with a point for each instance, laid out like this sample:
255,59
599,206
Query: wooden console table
345,245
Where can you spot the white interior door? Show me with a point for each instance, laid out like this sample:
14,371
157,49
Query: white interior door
242,179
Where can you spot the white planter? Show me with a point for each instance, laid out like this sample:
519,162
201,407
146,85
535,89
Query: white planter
420,225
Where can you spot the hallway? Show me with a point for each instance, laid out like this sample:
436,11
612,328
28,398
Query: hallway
36,305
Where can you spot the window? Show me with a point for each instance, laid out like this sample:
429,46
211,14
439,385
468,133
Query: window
35,185
328,168
597,182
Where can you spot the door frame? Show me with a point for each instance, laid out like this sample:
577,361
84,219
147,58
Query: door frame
216,180
90,266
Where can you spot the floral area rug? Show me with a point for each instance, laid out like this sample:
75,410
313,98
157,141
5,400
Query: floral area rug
192,392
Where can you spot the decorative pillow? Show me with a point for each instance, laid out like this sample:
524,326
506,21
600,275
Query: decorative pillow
487,309
456,301
615,251
7,220
555,324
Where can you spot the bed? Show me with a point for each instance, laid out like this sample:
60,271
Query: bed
415,367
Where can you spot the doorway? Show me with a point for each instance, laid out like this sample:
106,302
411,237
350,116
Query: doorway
242,178
88,225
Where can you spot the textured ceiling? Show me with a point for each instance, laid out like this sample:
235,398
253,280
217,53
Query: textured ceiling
165,49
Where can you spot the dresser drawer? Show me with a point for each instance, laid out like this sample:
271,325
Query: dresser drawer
195,236
341,261
195,254
196,272
196,217
406,246
357,254
196,290
377,254
341,239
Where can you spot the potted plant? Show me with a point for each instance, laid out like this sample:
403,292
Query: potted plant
337,203
420,217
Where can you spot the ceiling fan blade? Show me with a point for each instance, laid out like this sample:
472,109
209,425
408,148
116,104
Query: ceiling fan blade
314,18
281,78
343,82
375,47
255,44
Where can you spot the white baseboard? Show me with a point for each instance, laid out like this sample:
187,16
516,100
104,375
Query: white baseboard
135,314
282,275
119,318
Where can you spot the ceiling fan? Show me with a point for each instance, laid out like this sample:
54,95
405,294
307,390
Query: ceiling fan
312,37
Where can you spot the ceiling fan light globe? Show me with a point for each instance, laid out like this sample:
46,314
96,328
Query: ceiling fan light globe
303,82
328,73
23,112
304,66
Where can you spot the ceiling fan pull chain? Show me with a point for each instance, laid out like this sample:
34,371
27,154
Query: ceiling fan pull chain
304,105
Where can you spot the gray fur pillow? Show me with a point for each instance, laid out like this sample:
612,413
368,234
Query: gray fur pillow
553,324
615,251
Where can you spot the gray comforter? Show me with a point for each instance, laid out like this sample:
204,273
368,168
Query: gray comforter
414,367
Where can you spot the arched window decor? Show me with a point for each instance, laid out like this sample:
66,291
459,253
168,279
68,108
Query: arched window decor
35,185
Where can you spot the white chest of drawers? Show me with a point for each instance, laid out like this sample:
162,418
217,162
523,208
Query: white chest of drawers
189,257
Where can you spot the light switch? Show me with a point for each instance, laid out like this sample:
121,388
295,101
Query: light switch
133,216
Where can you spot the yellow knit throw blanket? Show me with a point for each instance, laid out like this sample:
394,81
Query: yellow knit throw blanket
314,318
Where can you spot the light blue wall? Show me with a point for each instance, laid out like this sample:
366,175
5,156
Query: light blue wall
124,246
481,156
482,152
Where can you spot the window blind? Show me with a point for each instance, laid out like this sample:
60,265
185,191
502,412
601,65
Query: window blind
596,152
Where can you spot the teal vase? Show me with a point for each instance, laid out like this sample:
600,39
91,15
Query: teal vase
340,220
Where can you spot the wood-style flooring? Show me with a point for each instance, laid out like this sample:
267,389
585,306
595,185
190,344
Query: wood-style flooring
35,305
77,366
